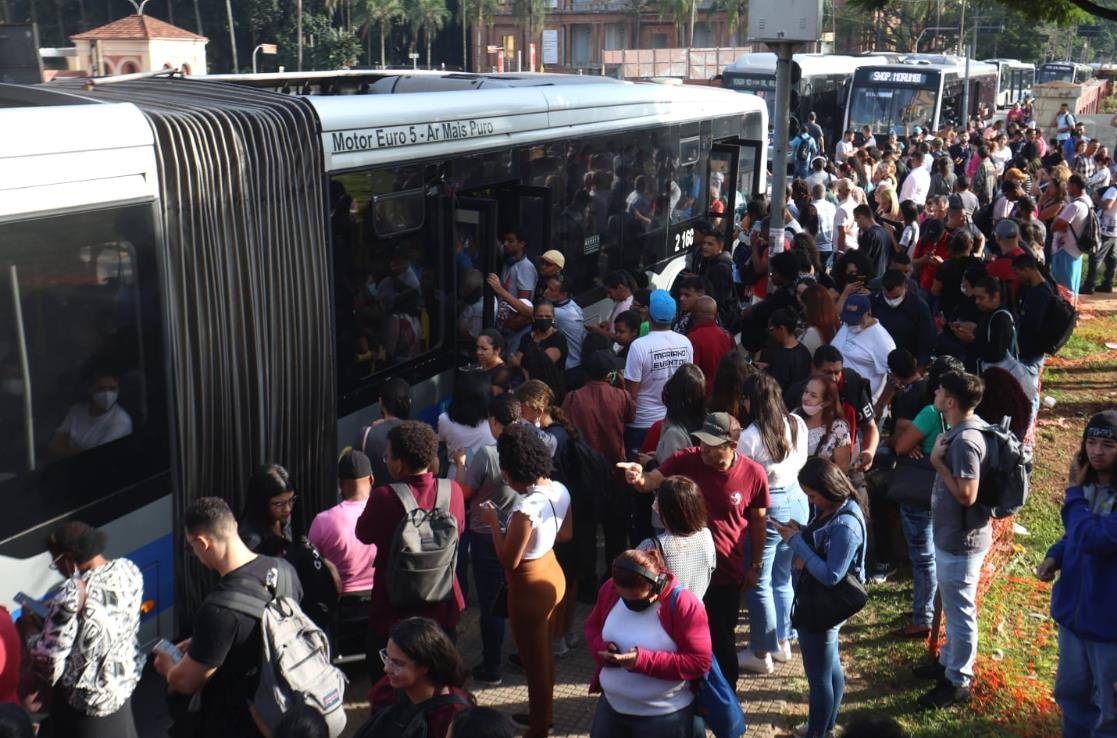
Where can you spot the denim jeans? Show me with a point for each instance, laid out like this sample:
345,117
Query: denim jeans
1034,370
825,678
608,723
489,577
916,524
1084,686
770,600
957,575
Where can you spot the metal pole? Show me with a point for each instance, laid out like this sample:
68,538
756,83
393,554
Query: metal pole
25,370
966,96
962,28
781,116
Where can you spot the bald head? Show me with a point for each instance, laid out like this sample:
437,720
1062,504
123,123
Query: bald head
705,308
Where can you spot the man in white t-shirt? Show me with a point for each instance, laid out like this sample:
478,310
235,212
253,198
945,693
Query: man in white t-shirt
1107,249
864,343
845,147
918,182
845,225
93,423
1066,258
651,362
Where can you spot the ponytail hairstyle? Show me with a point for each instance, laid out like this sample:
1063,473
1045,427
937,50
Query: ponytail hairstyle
768,413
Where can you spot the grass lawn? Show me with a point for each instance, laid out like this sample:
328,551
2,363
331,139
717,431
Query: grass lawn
1018,641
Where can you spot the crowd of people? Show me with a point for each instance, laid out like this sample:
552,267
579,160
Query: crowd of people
785,417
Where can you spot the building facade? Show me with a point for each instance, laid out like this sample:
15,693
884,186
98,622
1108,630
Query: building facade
139,43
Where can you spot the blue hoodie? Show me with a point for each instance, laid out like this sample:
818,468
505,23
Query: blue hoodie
1085,597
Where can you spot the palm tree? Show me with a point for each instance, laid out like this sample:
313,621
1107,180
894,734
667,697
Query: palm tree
430,16
381,13
736,14
531,14
681,13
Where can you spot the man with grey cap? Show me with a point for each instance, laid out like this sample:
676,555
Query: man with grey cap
1006,234
735,489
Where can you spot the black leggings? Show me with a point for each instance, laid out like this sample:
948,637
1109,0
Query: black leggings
66,722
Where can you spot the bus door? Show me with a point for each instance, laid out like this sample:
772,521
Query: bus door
474,224
528,209
736,164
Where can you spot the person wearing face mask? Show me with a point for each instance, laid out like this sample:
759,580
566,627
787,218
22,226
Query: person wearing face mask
828,435
864,343
542,352
95,422
649,638
904,315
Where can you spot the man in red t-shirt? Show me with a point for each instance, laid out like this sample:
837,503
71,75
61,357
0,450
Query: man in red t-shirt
412,451
735,489
10,654
1007,236
710,340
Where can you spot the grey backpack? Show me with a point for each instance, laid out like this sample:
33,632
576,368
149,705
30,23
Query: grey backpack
424,550
295,665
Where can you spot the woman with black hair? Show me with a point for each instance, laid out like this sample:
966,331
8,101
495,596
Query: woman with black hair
265,521
423,676
489,350
777,440
1085,596
542,352
524,544
649,638
684,396
832,546
87,646
465,424
729,383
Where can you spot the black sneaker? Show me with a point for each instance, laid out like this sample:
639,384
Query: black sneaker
514,659
1106,288
488,678
879,574
930,670
943,695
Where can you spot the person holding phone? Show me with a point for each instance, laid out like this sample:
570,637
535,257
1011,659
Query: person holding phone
649,638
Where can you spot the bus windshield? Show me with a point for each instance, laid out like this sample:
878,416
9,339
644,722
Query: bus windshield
763,86
891,109
1048,73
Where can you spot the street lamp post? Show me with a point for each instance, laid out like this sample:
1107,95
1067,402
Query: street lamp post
269,49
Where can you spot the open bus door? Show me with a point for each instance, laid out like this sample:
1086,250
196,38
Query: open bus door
736,162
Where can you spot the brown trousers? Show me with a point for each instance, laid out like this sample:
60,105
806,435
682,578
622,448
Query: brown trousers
534,590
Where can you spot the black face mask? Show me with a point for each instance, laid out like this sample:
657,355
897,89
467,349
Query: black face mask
637,605
543,324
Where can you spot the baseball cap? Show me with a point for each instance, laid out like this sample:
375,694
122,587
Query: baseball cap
1007,228
855,308
661,306
354,465
555,257
716,430
954,202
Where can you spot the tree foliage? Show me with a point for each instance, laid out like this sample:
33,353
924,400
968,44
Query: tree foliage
1062,12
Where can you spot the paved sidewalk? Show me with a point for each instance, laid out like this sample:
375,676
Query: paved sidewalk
772,704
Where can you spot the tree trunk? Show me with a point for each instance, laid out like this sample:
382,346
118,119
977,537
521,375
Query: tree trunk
170,11
383,33
298,32
477,52
198,18
465,36
693,16
427,34
84,20
232,34
62,24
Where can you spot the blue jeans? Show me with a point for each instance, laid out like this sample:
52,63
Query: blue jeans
489,577
608,723
957,575
825,678
916,524
1034,370
770,600
1084,686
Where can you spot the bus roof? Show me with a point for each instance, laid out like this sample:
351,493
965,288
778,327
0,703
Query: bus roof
363,130
1011,63
944,64
764,62
395,81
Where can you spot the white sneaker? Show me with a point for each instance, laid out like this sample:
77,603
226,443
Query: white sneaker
800,731
783,655
748,661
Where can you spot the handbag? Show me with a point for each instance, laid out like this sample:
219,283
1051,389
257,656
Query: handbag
818,608
910,482
36,689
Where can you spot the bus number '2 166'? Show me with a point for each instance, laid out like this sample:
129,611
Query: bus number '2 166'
684,240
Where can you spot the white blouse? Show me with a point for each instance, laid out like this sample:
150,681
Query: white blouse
546,506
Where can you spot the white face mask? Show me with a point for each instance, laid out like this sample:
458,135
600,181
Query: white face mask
894,302
812,410
855,329
105,399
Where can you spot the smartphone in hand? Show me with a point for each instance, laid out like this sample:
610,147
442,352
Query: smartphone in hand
168,649
32,605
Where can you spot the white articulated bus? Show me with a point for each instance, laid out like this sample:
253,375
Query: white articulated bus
248,260
1014,80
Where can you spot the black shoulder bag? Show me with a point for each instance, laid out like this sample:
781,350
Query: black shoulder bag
818,608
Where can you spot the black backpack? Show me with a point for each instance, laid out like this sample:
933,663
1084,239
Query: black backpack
803,149
1089,238
405,720
583,469
1058,323
320,593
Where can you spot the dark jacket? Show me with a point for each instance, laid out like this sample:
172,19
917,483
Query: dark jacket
910,324
718,273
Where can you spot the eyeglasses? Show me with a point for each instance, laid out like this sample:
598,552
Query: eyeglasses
54,564
280,504
389,662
